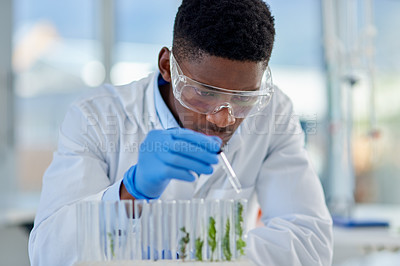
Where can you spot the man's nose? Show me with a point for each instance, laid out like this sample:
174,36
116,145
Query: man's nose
222,118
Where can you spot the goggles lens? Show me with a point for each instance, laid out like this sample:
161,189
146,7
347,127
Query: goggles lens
206,99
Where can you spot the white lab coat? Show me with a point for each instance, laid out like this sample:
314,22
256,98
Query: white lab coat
98,142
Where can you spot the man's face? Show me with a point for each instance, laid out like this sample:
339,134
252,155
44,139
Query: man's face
223,73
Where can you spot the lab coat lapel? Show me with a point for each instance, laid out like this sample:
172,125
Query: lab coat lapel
138,101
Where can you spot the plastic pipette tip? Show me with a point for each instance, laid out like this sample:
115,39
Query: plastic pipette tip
230,172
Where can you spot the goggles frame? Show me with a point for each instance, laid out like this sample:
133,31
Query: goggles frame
264,94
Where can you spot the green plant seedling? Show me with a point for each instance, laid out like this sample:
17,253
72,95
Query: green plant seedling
212,234
183,243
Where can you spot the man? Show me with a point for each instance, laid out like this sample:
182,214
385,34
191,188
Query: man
159,138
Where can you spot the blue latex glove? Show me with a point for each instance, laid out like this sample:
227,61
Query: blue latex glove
170,154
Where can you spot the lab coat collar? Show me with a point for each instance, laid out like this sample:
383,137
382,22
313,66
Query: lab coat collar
153,119
165,115
138,101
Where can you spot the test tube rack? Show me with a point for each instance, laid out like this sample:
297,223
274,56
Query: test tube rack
177,230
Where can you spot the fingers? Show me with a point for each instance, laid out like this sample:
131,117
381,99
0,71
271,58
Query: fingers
209,143
180,174
184,142
179,161
184,149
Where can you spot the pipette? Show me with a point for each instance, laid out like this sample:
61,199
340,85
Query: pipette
231,174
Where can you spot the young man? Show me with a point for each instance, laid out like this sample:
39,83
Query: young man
159,138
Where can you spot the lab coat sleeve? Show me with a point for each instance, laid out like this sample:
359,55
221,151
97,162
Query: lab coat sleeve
298,226
78,172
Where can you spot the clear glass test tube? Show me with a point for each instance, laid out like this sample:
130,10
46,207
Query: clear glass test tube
213,224
110,234
170,233
142,210
138,206
104,230
124,225
240,211
88,231
227,230
155,229
198,235
183,229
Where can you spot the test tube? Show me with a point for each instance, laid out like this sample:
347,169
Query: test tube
110,234
240,211
169,230
142,210
124,224
183,229
227,230
197,234
138,228
213,224
155,232
88,231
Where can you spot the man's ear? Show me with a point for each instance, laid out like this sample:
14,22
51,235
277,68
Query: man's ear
163,64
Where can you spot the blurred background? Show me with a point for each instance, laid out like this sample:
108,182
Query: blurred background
338,60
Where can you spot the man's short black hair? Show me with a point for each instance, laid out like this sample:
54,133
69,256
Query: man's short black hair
240,30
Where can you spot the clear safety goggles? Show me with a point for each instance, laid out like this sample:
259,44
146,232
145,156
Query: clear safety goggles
206,99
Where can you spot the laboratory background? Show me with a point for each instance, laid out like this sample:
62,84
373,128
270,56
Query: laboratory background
338,60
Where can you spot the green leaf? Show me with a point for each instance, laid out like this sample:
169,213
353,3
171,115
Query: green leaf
212,233
240,243
225,242
183,243
111,244
239,219
199,248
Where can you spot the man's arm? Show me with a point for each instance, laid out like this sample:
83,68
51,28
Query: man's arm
124,194
298,226
78,172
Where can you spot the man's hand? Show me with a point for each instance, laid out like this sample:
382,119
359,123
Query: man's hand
170,154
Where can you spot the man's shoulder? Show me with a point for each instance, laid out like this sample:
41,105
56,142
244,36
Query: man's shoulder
263,124
109,97
280,97
279,103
